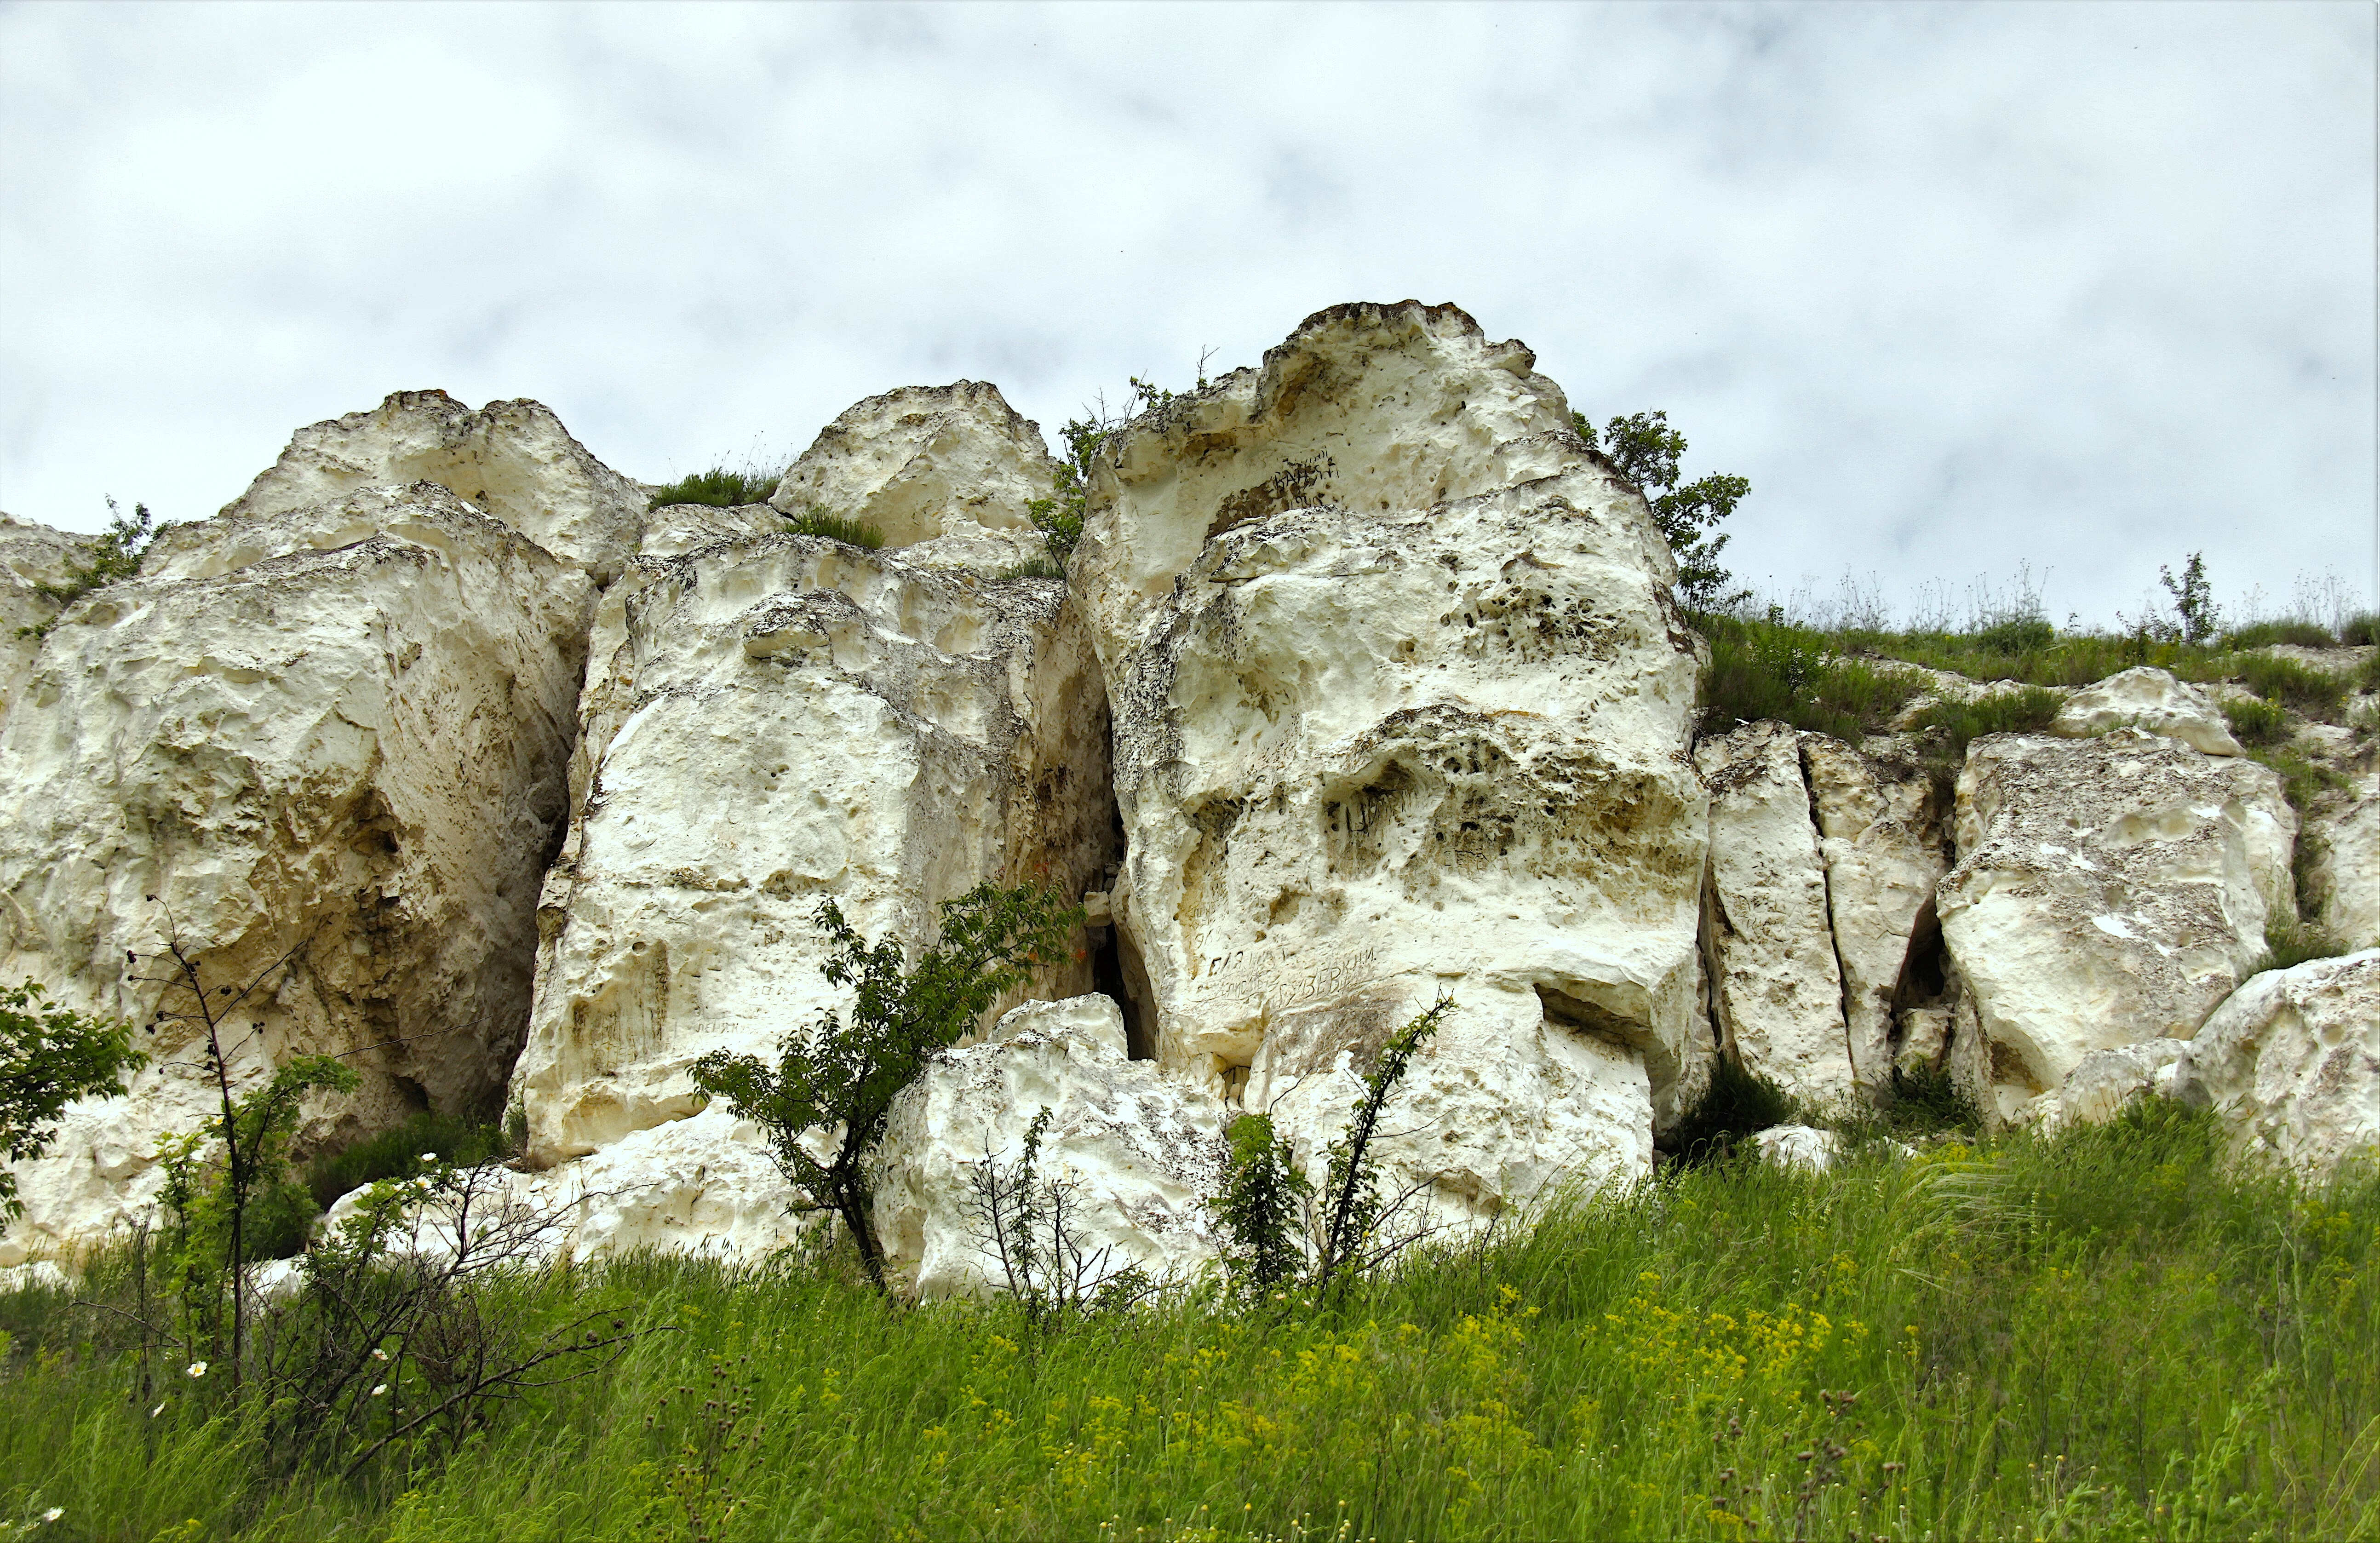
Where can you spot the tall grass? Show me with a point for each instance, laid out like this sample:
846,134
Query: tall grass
2108,1333
1772,669
722,487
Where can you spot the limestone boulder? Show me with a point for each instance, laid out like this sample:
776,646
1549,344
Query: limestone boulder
2108,890
944,472
512,460
767,726
2148,698
2346,866
2103,1081
2293,1058
1133,1152
675,529
1881,835
1401,704
338,733
1777,987
30,555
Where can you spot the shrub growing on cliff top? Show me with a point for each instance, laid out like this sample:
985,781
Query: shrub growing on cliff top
840,1078
721,487
116,553
1647,451
1772,669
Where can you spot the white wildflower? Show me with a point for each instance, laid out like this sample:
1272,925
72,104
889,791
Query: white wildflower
154,1412
53,1513
198,1368
429,1157
379,1390
380,1354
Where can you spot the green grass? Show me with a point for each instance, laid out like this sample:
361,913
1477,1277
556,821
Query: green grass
1771,669
2289,942
2025,711
396,1154
2110,1333
2297,634
2317,693
1037,567
1737,1102
722,487
816,521
2258,721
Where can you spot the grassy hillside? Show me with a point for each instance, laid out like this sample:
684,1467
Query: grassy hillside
2112,1334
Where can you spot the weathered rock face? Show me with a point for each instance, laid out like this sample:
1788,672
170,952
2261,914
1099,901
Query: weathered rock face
2294,1059
2147,698
2107,891
1137,1152
1777,992
30,555
2347,864
944,472
2103,1081
343,727
513,460
1401,705
768,724
1881,836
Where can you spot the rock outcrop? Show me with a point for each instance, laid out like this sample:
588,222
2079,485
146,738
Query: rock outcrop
1135,1153
2147,698
2108,890
30,555
339,729
1777,988
1401,702
768,724
2293,1059
944,472
513,460
2346,866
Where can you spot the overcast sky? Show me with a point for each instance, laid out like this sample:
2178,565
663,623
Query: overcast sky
2084,285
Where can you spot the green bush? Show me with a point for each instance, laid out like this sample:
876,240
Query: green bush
396,1154
1922,1100
116,553
1737,1103
721,487
1770,669
2261,634
2361,630
1037,567
2257,721
2315,693
816,521
2025,711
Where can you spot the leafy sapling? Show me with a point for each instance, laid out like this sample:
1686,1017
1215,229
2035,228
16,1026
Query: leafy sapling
833,1086
1647,451
1263,1202
51,1056
2194,598
1352,1237
116,553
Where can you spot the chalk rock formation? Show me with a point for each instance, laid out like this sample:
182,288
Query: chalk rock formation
2294,1059
1137,1152
1880,834
944,472
30,555
1777,992
2103,1081
2347,868
2147,698
1401,704
513,460
343,727
2107,891
767,726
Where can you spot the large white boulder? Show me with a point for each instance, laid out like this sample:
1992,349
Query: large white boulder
1400,700
944,472
1135,1152
513,460
1777,988
767,726
2293,1058
2108,890
1880,836
2150,699
340,730
2346,867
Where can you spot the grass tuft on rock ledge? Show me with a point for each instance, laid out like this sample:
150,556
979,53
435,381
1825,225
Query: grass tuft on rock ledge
1975,1343
816,521
721,487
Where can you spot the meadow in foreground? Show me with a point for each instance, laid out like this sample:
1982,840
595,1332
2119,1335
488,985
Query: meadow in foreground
2112,1333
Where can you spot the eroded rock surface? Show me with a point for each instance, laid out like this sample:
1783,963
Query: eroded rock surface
1137,1152
767,726
341,730
2346,867
1777,988
2148,698
30,555
1401,704
2108,890
944,472
513,460
2293,1059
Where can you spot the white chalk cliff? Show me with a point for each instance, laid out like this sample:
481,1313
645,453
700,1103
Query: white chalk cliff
1366,687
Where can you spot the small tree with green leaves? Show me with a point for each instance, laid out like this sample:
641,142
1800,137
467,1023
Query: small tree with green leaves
2194,598
1647,451
1350,1239
835,1083
1060,515
1262,1201
51,1056
116,553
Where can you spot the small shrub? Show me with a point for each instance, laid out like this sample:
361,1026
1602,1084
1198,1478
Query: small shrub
721,487
816,521
2289,941
1037,567
2315,693
2194,598
116,553
2025,711
2016,637
2361,630
1737,1104
1923,1099
396,1154
2257,721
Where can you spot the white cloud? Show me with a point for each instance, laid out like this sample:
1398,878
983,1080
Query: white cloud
2089,285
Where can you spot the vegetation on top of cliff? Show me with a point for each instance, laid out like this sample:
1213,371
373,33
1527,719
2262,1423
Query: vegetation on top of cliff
722,487
1647,451
116,553
816,521
1974,1342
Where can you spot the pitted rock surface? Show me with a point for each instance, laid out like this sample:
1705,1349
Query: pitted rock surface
2293,1060
2148,698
